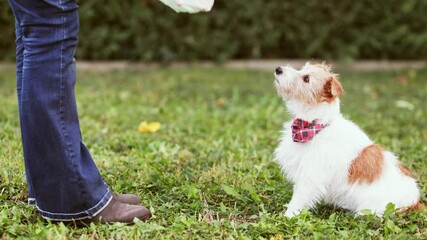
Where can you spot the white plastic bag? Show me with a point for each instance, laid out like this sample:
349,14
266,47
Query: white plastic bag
189,6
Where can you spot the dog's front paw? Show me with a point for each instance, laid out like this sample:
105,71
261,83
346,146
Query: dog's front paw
290,213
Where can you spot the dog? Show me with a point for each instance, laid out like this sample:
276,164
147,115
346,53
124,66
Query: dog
329,158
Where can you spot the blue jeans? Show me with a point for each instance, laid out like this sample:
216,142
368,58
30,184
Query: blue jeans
63,181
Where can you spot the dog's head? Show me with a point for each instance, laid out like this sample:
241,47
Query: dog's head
311,85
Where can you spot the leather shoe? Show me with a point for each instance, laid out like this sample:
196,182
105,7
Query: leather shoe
131,199
117,211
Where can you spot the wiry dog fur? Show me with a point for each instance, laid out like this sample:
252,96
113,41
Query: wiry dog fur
340,165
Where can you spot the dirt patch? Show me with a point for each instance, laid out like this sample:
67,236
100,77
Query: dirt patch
268,65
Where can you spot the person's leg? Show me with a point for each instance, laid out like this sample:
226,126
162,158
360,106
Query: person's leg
62,176
19,67
61,173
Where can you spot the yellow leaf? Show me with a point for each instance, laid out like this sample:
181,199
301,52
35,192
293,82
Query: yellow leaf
151,127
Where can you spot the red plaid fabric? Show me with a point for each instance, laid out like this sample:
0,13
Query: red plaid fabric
303,131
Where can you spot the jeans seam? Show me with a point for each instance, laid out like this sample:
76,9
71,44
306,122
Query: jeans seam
61,105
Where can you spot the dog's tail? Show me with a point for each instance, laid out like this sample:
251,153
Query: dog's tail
418,206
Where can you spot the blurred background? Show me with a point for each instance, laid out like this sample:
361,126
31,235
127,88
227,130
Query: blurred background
342,30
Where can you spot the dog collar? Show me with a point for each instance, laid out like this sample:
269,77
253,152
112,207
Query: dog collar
304,131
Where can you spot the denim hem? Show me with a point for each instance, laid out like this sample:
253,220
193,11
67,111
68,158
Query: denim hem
89,213
31,201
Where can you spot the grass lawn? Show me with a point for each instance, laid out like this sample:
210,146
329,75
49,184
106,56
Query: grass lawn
208,173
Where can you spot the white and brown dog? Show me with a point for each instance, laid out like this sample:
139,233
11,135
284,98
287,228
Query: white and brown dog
328,157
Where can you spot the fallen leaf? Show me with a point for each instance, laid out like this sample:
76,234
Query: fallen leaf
149,127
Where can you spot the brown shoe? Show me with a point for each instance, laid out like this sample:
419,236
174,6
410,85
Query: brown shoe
131,199
117,211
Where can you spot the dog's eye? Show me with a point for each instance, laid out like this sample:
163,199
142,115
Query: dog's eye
306,78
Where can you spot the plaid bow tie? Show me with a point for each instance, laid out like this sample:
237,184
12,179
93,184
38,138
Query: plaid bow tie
303,131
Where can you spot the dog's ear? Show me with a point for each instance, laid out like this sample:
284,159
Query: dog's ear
331,90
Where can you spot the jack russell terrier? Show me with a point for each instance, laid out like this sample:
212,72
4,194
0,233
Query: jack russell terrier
328,157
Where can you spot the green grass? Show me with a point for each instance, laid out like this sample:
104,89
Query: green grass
209,173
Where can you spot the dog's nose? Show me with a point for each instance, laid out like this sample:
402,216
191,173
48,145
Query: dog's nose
279,71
